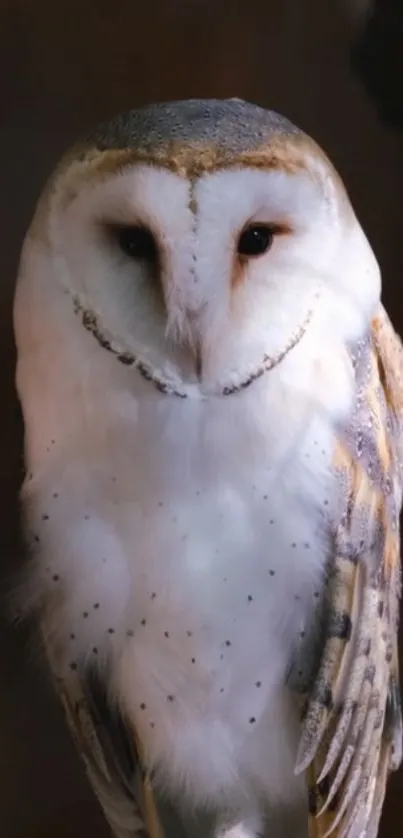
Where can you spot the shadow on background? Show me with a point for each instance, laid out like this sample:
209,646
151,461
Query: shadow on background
64,66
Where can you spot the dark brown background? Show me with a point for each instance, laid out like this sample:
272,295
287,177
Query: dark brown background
63,65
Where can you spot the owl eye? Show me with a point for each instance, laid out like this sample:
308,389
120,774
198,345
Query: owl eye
137,242
255,240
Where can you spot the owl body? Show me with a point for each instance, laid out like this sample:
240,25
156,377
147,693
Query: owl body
229,527
186,428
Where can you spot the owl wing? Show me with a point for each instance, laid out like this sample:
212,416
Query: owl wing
111,753
351,721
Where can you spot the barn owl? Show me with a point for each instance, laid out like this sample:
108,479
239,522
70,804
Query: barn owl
212,395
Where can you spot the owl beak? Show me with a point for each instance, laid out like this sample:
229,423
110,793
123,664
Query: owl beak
195,342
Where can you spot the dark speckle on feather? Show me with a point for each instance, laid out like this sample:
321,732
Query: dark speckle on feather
340,626
369,674
323,695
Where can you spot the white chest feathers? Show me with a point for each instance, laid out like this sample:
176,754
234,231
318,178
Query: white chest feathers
186,542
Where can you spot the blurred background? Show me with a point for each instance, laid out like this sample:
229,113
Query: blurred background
63,66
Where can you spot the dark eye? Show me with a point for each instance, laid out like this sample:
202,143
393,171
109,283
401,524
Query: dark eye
255,240
137,242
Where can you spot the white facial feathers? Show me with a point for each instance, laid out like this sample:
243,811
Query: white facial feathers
199,313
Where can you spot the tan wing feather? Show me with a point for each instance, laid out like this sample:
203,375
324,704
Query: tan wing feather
352,730
113,758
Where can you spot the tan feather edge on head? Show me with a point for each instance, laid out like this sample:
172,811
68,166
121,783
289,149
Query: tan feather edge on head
193,160
83,164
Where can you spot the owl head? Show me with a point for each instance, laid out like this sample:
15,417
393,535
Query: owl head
196,243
